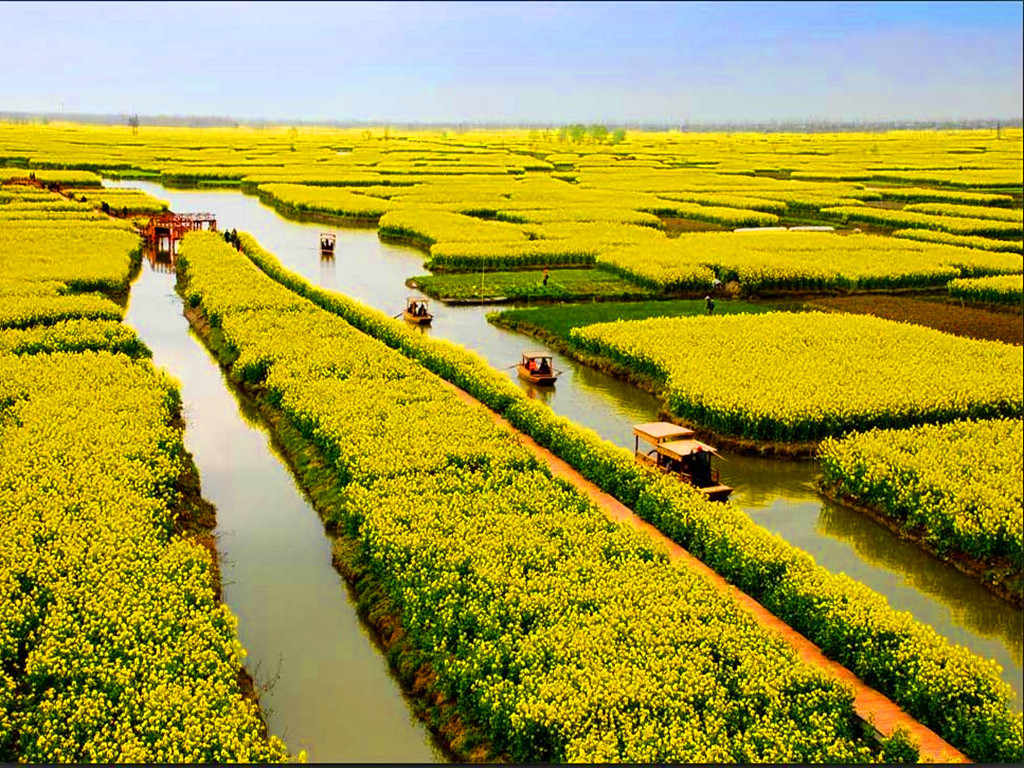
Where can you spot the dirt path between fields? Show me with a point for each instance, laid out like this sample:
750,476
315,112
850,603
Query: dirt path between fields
870,705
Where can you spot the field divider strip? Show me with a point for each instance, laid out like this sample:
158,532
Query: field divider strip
875,709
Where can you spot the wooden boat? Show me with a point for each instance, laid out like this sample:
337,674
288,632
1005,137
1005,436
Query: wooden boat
417,311
676,452
536,368
327,240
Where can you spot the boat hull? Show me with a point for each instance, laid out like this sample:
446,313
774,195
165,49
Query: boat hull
417,319
540,379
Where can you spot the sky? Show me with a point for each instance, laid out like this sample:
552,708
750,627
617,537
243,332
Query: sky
516,62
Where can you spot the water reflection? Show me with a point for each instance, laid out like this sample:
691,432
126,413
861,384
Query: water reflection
543,394
161,260
778,494
326,268
758,481
970,605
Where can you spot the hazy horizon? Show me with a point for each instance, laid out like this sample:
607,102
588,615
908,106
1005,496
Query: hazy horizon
518,63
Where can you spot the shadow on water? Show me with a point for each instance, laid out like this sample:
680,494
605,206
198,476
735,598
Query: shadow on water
778,494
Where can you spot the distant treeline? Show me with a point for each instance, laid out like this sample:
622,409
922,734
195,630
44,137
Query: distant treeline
763,126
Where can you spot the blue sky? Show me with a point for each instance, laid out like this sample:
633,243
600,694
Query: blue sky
516,62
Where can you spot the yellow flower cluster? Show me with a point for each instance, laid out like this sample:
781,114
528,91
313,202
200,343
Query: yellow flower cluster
960,483
113,645
64,176
926,195
1000,289
963,241
335,201
955,225
82,254
763,261
25,311
119,199
967,211
425,226
793,377
75,335
565,637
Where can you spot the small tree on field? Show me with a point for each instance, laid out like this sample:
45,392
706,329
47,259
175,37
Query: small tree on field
598,133
618,136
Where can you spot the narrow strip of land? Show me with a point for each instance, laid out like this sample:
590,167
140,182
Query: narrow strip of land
870,705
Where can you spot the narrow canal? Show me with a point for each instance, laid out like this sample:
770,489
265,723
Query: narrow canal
329,689
778,495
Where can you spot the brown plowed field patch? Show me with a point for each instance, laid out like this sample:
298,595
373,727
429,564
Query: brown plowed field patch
870,705
949,317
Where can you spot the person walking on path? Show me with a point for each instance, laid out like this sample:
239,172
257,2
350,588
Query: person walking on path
710,304
544,281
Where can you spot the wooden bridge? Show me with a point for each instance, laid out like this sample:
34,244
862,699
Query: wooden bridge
168,228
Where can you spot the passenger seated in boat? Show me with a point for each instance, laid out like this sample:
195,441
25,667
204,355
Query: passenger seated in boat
422,311
544,367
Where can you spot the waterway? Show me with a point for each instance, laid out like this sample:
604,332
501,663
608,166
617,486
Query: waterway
778,494
328,688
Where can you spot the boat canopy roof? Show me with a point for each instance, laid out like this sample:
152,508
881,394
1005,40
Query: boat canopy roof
536,355
417,299
658,431
677,449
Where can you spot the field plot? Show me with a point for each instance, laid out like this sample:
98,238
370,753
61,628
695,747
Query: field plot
807,261
562,285
797,377
1004,289
84,255
965,241
958,485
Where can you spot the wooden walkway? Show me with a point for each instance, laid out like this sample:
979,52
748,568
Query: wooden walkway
870,705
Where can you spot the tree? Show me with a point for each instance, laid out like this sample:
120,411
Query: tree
133,121
577,132
598,133
618,136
